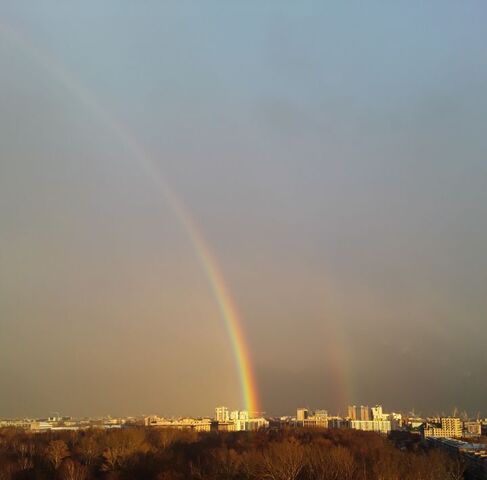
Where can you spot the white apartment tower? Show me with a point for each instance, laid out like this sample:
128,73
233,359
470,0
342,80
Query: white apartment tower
222,414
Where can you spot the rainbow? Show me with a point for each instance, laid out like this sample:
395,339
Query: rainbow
207,260
336,354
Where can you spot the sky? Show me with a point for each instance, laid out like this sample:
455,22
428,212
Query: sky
333,156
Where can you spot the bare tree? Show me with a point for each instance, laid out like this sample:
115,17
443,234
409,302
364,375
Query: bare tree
164,437
227,463
250,465
456,467
25,453
89,449
56,452
71,470
7,470
284,460
120,446
342,463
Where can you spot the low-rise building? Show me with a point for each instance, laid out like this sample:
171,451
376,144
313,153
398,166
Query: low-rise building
337,422
197,424
379,426
320,419
472,429
40,426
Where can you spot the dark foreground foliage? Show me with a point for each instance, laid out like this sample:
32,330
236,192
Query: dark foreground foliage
139,453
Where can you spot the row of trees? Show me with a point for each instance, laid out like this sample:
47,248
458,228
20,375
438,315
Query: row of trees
140,453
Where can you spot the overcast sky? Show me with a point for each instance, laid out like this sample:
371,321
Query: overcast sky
334,156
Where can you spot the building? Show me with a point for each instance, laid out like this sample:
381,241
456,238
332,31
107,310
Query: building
352,412
196,424
309,419
226,426
247,425
40,426
472,429
397,422
474,454
222,414
253,424
237,420
24,423
337,422
378,414
302,414
313,422
379,426
448,427
364,413
236,415
319,419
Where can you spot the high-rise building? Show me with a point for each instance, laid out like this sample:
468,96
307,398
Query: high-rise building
452,426
378,414
239,415
352,412
364,413
243,415
222,414
301,414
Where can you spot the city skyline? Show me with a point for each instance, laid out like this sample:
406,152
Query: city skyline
367,419
255,205
362,413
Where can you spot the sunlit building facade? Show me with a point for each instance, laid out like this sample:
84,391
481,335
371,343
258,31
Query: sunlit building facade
449,427
318,419
364,413
352,412
302,414
237,420
196,424
379,426
222,414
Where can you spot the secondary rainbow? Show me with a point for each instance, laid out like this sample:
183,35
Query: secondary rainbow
207,260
